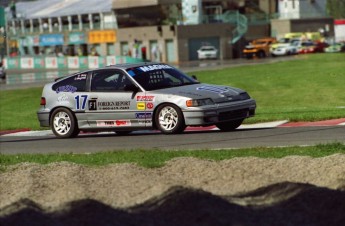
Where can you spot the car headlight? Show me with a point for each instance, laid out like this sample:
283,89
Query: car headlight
199,102
244,96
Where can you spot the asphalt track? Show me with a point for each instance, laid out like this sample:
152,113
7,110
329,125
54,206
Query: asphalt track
207,138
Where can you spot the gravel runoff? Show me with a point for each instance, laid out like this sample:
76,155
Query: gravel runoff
129,188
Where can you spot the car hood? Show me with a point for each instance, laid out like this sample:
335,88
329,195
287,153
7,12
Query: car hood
200,91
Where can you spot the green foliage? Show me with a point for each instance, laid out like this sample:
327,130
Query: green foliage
336,8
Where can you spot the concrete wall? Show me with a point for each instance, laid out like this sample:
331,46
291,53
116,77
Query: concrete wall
222,31
180,36
145,35
313,25
258,31
280,27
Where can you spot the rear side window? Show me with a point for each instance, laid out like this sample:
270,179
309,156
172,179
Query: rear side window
109,81
72,84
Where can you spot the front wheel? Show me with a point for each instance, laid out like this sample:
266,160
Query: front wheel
64,124
169,119
229,126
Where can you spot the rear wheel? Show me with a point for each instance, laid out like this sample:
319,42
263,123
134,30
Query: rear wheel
169,119
63,123
229,126
261,54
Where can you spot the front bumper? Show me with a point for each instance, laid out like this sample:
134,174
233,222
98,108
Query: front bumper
220,113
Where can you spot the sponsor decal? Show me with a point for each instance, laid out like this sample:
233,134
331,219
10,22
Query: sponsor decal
92,105
113,105
143,115
145,98
113,123
63,98
141,105
66,88
80,77
144,121
123,122
149,105
154,67
80,101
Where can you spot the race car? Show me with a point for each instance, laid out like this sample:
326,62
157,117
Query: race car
128,97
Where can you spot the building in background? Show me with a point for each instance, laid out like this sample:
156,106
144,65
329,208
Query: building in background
302,16
157,30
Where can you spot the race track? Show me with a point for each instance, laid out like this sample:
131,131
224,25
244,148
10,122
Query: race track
45,142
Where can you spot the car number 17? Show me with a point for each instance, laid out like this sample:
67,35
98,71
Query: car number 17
80,102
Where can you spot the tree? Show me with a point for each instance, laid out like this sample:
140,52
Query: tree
336,8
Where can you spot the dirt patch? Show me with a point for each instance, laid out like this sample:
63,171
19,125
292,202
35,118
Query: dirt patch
186,191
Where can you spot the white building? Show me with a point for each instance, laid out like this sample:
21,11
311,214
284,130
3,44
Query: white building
299,9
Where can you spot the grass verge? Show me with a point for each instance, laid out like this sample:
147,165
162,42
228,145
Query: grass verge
308,89
157,158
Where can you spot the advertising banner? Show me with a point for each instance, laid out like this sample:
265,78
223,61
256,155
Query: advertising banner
27,62
83,62
51,62
29,41
12,63
73,62
93,61
76,38
39,62
110,60
62,62
102,36
51,40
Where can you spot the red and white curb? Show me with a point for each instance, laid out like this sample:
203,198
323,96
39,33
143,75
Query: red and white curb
283,123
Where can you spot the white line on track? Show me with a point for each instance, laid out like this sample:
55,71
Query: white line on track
245,126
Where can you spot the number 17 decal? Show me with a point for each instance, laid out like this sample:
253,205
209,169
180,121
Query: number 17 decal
80,102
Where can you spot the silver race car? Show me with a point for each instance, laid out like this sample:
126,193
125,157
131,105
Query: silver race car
129,97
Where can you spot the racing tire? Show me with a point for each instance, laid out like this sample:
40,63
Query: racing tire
169,119
261,54
229,126
64,123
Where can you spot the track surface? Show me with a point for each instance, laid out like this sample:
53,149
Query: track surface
199,139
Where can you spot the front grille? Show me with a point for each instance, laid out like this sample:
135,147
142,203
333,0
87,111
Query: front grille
236,114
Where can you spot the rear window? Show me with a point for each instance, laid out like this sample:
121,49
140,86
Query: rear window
76,83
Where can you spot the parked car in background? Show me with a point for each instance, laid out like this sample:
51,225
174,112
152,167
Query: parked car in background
258,48
284,47
128,97
335,48
305,46
207,52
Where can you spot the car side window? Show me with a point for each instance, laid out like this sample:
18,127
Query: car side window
109,81
72,84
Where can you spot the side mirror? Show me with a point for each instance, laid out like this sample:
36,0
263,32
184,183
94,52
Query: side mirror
194,77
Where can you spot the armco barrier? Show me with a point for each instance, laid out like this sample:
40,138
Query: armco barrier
52,62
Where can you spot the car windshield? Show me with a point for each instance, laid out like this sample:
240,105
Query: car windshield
159,76
207,49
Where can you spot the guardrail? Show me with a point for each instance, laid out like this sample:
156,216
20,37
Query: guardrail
70,62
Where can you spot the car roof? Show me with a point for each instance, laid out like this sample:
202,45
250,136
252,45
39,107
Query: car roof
114,66
131,65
